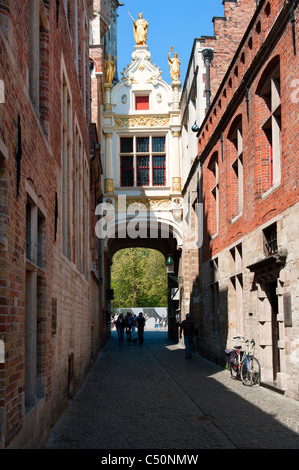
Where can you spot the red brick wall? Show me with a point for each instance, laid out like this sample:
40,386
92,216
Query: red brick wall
257,209
41,169
228,32
268,36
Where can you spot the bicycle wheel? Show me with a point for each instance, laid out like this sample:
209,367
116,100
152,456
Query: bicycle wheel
234,371
250,371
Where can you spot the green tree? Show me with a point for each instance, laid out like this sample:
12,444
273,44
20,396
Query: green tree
139,278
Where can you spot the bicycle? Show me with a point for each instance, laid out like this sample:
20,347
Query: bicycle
243,364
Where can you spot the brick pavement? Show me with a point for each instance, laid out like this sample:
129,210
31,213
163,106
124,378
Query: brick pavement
151,397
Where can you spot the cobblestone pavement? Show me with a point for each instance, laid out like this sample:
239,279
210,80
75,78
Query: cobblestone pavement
151,397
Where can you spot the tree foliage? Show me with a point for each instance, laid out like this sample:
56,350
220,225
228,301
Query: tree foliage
139,278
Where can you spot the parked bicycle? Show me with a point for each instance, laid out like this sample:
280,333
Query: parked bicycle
242,363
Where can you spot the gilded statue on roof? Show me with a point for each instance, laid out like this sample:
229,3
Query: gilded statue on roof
175,66
140,30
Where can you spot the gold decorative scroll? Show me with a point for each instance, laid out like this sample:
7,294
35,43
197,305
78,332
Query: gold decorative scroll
141,202
142,121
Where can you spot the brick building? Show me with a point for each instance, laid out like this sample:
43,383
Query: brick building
243,278
52,307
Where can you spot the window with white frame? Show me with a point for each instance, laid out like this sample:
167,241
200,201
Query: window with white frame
236,138
142,102
214,198
269,90
143,160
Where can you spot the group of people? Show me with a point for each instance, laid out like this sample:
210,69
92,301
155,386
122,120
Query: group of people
128,324
159,323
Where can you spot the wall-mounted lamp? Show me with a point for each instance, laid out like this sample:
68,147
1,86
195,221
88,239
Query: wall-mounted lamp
170,270
169,265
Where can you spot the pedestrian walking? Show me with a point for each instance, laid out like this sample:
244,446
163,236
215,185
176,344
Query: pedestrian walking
129,324
120,326
140,322
134,323
188,326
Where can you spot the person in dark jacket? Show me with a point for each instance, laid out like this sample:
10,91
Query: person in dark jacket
188,326
120,326
140,323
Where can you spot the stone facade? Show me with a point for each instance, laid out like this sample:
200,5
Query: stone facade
141,146
244,271
52,303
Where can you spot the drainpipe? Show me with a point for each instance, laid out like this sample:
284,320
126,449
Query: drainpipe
100,255
91,67
208,57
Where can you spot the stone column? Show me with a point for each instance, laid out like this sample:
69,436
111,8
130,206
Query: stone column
176,131
107,98
176,174
176,95
109,186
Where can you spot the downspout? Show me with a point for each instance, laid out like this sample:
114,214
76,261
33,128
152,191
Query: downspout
91,67
208,57
100,254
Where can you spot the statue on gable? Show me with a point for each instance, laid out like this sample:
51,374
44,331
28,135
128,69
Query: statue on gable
109,69
175,66
140,30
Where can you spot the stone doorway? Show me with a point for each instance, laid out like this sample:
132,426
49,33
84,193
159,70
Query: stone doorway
270,289
269,284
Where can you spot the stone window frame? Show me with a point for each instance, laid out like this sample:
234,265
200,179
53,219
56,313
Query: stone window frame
150,153
66,161
38,44
236,278
79,198
214,287
35,299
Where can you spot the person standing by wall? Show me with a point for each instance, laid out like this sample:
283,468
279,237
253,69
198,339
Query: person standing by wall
140,322
188,326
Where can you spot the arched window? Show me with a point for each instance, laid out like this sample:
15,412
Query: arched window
269,91
235,137
213,209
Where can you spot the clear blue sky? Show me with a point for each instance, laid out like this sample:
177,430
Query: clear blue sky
171,23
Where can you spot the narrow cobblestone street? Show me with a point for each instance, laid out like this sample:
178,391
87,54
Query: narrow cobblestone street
151,397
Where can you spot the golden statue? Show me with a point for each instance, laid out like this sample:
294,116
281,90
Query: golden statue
175,66
140,30
109,69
